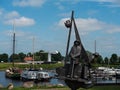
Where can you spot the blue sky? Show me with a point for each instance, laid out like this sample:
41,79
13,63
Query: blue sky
44,20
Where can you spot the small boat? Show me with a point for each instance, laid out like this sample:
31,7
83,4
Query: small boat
110,72
43,76
29,74
34,74
13,73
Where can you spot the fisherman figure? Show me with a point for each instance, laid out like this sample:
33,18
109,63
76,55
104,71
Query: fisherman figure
74,54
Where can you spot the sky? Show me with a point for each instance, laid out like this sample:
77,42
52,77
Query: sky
39,24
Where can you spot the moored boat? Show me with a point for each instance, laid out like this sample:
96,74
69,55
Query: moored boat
43,76
13,73
35,74
29,74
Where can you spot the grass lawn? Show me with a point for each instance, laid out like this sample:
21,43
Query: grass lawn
4,66
112,87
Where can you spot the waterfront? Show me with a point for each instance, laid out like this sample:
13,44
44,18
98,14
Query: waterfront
98,81
5,81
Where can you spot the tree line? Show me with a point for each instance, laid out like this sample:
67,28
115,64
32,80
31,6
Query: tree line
114,59
38,56
42,56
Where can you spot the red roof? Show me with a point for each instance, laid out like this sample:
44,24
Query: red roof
28,58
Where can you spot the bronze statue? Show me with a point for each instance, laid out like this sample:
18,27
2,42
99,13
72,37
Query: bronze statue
76,74
74,55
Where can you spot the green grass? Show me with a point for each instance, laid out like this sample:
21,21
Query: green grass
112,87
4,66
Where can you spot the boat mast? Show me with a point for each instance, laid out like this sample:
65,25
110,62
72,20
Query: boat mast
95,46
33,50
13,43
69,35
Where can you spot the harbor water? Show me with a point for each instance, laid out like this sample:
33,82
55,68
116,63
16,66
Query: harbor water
98,81
5,81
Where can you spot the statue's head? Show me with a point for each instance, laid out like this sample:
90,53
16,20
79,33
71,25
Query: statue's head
76,43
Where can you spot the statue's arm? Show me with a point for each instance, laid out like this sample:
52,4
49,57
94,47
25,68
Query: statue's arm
78,52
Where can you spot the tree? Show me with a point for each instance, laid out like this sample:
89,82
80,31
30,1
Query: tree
4,57
57,57
14,58
99,59
21,56
106,60
114,59
43,55
37,56
29,54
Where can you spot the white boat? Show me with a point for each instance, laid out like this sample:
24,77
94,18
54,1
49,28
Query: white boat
35,75
43,76
29,75
110,72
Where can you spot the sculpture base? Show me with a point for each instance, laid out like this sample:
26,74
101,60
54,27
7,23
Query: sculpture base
73,82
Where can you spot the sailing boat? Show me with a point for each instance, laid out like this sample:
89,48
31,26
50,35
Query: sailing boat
14,72
35,74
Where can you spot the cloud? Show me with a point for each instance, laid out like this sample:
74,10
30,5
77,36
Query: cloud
113,29
59,5
110,3
65,14
32,3
1,11
86,25
9,18
12,14
19,33
21,21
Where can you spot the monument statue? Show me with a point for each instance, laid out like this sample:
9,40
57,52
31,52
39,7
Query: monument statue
76,70
74,55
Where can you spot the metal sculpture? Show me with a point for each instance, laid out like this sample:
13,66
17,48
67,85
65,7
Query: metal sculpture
76,70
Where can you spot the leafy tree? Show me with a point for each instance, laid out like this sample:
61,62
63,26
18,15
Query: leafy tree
106,60
29,54
114,59
100,60
21,56
14,58
43,55
4,57
57,57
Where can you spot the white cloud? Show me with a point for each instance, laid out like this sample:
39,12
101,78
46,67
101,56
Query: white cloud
110,3
1,11
10,33
33,3
102,0
65,14
59,5
113,29
92,12
22,21
86,25
14,17
11,15
20,35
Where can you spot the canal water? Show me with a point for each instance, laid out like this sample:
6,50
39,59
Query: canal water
5,81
